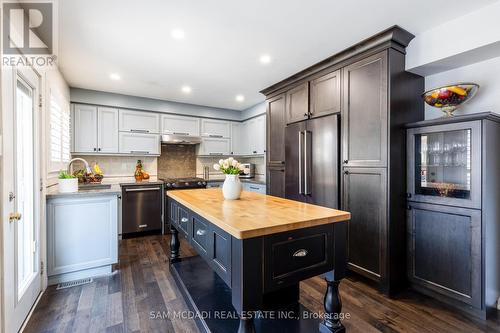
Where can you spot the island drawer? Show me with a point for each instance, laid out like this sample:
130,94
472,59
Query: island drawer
290,257
200,235
183,219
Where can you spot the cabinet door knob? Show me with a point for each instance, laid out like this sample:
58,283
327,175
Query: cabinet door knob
346,161
95,149
184,220
306,114
408,195
200,232
346,172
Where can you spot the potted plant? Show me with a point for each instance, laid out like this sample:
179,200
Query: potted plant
67,183
231,189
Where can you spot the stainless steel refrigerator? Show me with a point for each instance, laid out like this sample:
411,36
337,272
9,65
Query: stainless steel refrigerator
312,161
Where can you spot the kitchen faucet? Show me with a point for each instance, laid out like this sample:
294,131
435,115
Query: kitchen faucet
87,167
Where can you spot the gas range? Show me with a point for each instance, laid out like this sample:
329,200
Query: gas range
183,183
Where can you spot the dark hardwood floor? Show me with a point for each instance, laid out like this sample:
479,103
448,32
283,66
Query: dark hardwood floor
124,301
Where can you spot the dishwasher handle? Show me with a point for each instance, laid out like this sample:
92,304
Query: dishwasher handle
140,189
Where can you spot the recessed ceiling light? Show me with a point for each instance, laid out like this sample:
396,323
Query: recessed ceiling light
265,59
177,34
240,98
186,89
115,76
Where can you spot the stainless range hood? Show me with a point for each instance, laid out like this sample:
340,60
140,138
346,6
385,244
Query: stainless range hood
180,139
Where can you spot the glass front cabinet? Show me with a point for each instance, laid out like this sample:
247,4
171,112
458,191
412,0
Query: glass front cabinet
453,210
444,164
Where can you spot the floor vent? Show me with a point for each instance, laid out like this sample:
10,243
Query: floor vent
75,283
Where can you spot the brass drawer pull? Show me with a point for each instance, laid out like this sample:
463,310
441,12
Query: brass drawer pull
14,217
300,253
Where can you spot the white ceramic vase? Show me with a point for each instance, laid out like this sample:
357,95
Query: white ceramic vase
68,185
231,189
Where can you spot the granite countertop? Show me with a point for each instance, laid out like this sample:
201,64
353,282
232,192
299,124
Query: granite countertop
53,192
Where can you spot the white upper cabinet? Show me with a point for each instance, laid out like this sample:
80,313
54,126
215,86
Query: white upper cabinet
139,143
237,139
214,146
139,122
107,130
179,125
215,128
260,135
85,128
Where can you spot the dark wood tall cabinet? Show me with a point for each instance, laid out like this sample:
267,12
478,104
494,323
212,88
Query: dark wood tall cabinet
368,86
453,211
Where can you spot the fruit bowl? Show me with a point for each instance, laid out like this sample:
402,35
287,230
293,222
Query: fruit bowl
448,98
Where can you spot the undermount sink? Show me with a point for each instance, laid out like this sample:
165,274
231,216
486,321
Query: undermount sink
88,187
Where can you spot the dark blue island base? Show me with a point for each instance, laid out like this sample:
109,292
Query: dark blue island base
208,296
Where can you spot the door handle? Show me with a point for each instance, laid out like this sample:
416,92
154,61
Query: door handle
139,152
14,217
179,133
143,225
300,162
139,131
142,189
306,165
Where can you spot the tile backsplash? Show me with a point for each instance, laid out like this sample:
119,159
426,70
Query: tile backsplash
177,161
201,162
120,166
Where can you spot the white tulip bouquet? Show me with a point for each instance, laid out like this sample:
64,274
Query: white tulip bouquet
230,166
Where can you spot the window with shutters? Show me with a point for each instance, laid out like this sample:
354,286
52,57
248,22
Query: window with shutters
60,136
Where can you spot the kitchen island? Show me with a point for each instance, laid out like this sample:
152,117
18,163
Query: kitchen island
260,247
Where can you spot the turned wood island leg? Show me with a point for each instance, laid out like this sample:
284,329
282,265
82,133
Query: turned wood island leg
332,302
333,308
174,245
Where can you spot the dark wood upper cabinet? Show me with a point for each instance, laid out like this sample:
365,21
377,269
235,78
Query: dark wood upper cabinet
276,130
365,112
325,95
297,103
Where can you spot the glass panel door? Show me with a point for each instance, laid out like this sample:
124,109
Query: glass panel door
443,164
25,190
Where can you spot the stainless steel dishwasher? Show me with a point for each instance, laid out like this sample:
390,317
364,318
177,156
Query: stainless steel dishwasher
142,209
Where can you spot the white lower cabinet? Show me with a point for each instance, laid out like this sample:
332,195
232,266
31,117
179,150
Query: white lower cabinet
139,143
82,236
215,146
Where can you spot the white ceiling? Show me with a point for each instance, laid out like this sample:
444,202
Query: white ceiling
219,57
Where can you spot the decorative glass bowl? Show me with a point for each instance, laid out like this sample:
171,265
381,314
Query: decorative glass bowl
448,98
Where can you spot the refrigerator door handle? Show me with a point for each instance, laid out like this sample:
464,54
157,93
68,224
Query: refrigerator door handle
300,162
306,165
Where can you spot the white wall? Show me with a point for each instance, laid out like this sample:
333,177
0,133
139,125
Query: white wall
465,40
150,104
485,73
253,111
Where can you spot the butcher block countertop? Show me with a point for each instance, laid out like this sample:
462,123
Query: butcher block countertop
255,214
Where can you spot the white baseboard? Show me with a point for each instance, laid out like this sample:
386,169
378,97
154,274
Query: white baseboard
87,273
